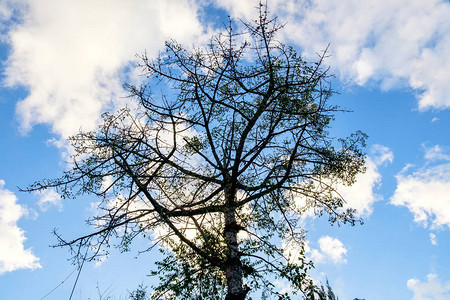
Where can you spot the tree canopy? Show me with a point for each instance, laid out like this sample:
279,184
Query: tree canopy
228,149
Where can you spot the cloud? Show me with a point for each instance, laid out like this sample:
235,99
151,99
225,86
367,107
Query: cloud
5,11
397,43
361,195
432,289
436,153
425,192
13,256
381,155
283,286
239,8
330,250
49,198
433,239
71,56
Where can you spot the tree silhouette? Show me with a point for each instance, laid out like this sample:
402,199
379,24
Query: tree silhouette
322,293
326,293
227,150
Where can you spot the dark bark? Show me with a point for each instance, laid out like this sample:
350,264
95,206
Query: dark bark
233,263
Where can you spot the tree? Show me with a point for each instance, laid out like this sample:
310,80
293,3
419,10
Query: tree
139,294
227,150
324,293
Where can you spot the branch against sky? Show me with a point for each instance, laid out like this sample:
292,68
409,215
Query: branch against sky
224,141
61,61
64,62
390,44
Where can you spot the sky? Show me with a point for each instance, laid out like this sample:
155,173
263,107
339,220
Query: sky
63,63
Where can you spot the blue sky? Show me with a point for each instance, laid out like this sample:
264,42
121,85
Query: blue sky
64,62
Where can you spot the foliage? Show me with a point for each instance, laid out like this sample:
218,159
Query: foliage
322,293
227,151
326,293
139,294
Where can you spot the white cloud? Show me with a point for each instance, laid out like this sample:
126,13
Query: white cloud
70,54
13,256
330,250
426,191
433,239
436,153
397,43
239,8
5,11
283,286
381,155
361,195
49,198
432,289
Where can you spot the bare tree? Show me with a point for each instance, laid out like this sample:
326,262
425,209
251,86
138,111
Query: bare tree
229,147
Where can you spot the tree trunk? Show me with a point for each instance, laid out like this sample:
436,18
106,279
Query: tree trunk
233,266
